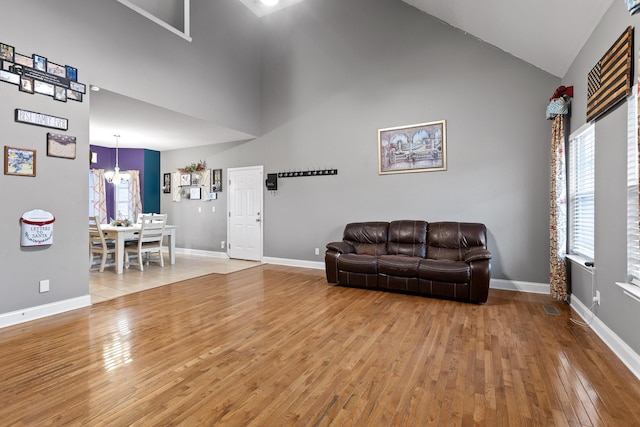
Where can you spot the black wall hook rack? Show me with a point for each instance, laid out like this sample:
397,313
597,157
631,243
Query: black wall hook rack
318,172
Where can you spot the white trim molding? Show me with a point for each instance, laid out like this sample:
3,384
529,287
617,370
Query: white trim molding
630,358
187,22
199,252
316,265
40,311
517,285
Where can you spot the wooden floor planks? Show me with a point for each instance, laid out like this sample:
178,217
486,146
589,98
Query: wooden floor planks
276,345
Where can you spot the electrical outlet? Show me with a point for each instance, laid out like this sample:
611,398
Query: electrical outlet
199,209
317,251
44,285
222,245
596,299
213,208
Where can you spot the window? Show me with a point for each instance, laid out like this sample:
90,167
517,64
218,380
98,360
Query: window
633,234
91,199
582,192
122,201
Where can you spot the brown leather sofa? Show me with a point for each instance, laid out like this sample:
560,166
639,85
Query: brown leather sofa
440,259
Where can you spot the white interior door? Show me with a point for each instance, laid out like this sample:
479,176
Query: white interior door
244,229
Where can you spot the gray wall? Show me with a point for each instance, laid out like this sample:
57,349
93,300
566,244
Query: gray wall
333,73
618,312
216,78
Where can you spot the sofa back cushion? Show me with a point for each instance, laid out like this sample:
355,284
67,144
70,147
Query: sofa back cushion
368,238
407,238
452,240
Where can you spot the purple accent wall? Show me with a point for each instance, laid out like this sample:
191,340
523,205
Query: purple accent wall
128,159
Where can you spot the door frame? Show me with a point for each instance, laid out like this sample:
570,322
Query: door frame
260,169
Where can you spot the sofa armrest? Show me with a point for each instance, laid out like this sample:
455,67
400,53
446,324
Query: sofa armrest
477,254
341,247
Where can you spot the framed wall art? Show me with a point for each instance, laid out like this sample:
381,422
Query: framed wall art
39,63
63,146
195,193
413,148
166,183
26,84
185,179
19,161
6,52
216,180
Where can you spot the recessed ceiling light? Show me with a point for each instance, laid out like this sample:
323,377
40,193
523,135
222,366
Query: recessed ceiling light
269,2
95,88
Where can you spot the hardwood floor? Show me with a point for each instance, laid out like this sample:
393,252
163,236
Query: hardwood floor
274,345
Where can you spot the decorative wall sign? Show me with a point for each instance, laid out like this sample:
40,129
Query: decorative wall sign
39,119
61,146
19,161
413,148
40,75
609,82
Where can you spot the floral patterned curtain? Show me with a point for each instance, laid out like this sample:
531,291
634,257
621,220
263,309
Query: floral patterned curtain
558,212
135,198
99,196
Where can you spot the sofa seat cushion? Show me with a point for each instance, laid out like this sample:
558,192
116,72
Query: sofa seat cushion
358,263
398,265
444,271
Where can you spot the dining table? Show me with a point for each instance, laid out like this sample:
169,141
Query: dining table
120,234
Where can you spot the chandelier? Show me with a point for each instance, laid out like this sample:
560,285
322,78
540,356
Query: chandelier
114,176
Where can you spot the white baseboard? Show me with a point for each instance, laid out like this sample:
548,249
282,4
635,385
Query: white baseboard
625,353
316,265
33,313
516,285
199,252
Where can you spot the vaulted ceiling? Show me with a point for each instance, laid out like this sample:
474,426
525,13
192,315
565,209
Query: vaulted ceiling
545,33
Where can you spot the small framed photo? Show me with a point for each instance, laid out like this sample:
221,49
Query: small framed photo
6,52
56,70
7,66
63,146
43,88
72,73
19,161
39,62
26,84
195,193
60,94
23,60
8,77
185,179
74,95
78,87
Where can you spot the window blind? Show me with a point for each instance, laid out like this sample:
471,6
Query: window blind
633,233
582,192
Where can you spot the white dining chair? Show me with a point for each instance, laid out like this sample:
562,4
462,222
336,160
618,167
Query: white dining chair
99,247
149,241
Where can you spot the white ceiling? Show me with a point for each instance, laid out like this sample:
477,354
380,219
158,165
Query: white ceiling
545,33
143,125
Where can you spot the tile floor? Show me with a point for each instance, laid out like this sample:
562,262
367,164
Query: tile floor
108,285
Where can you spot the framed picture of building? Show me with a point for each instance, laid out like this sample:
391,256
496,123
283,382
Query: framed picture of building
413,148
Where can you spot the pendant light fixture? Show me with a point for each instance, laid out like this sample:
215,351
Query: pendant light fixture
114,176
